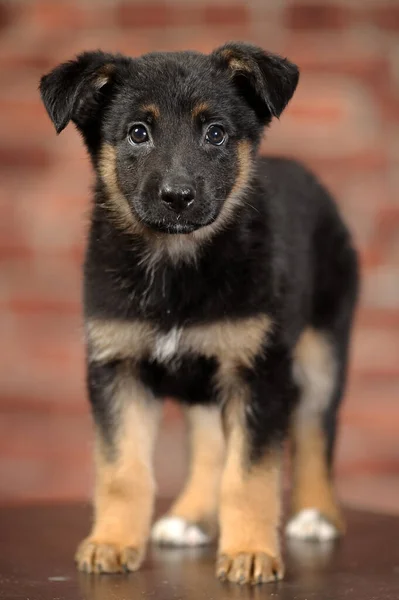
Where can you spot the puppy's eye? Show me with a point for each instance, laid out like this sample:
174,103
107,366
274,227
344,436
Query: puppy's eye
215,135
138,134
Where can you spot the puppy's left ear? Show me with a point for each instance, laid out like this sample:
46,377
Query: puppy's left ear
74,90
267,81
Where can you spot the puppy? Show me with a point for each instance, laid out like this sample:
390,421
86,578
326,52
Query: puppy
219,278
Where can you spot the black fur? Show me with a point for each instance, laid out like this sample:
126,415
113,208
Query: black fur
285,253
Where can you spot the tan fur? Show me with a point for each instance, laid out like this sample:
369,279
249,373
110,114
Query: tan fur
235,198
198,109
227,53
199,499
152,109
244,171
234,63
103,76
315,369
312,486
238,65
117,203
315,372
249,503
110,339
159,245
124,490
232,342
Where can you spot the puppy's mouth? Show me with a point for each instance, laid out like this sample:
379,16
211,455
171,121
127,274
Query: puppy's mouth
178,226
165,221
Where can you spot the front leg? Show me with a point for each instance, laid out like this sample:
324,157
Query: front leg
256,421
126,418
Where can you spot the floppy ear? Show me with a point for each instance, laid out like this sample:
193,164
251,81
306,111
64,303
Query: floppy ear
71,90
267,81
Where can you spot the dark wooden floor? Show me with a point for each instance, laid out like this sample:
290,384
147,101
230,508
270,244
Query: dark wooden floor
37,545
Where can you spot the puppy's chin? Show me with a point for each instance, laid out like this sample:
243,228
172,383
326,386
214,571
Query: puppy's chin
168,222
173,225
174,228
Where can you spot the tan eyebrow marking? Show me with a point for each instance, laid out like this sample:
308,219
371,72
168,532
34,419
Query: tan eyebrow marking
235,63
199,108
238,65
152,109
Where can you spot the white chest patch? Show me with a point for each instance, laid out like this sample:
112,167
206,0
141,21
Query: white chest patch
167,345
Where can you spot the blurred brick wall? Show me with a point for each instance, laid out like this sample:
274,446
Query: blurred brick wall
343,121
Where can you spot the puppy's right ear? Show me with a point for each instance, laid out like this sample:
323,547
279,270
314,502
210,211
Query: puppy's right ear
71,90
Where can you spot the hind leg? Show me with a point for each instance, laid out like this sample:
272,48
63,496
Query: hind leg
192,520
319,371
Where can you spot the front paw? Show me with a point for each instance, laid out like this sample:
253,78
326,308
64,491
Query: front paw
94,556
249,567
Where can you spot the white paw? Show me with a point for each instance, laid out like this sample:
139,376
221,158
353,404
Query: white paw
309,524
174,531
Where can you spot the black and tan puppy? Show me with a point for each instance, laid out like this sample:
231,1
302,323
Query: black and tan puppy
216,277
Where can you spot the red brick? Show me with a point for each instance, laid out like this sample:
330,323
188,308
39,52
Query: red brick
7,14
378,318
313,16
26,157
38,460
53,221
385,243
144,15
39,284
361,162
355,55
36,219
362,198
58,16
375,352
41,358
206,39
165,15
381,289
222,15
18,58
385,16
329,118
22,120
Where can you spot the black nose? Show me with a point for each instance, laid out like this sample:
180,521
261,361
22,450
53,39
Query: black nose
177,196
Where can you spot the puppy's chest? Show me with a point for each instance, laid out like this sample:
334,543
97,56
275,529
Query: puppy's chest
173,370
167,345
184,362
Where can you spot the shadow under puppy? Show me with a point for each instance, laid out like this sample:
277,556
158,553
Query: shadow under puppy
222,279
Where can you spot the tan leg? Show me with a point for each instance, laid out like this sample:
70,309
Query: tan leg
315,511
124,488
192,520
249,511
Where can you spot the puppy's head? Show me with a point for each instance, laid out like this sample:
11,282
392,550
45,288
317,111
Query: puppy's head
172,135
